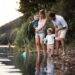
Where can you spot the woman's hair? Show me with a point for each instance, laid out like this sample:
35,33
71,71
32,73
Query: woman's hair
42,11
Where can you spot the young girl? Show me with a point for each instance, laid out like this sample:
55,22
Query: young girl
49,40
35,21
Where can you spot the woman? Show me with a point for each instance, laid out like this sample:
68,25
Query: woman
39,36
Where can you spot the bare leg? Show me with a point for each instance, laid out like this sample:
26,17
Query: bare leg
37,41
57,44
37,64
43,63
43,49
63,45
49,51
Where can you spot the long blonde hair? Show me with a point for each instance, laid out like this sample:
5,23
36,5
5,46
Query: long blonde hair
42,12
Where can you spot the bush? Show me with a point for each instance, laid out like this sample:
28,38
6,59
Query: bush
25,35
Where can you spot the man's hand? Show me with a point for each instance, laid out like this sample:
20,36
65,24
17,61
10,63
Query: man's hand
56,30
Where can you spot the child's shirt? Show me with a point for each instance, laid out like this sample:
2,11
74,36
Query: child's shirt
49,39
35,23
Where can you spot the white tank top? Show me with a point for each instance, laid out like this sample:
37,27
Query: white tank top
41,25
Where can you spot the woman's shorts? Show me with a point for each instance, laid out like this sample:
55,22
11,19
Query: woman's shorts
40,35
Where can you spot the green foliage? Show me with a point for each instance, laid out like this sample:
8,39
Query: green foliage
25,35
31,6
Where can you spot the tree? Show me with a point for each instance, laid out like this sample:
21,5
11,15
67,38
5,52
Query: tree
31,6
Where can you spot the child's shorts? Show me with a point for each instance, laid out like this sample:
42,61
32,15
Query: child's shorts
50,46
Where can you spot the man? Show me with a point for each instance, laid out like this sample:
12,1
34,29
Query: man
61,27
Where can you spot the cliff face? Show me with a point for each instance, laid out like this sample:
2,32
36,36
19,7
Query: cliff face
8,27
8,31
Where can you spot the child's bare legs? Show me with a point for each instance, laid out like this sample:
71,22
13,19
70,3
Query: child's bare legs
50,50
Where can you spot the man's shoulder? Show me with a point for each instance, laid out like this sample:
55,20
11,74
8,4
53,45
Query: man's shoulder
59,16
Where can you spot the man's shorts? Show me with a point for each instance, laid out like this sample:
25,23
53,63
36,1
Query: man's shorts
61,34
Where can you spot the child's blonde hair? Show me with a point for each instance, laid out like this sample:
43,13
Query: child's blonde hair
36,17
50,30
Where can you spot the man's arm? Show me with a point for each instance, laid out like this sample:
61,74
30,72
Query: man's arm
61,28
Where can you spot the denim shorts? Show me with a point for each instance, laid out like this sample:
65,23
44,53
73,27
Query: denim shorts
40,35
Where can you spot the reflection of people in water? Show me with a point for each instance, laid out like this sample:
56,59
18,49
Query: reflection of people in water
39,36
49,40
24,54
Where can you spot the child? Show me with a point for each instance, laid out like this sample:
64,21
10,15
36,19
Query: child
35,21
49,40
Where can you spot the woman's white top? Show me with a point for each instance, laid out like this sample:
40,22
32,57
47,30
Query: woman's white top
41,25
